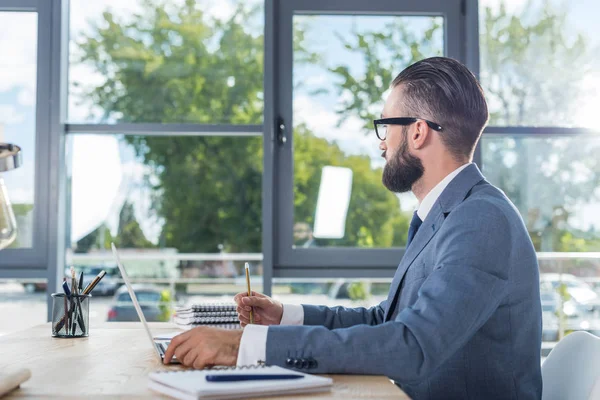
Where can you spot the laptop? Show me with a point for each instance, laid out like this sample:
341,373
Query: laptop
158,344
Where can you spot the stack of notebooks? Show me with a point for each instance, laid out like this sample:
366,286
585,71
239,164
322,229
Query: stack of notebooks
239,383
218,315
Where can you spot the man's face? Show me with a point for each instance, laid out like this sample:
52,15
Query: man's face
402,169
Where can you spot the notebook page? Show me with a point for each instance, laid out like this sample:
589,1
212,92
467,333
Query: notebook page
194,382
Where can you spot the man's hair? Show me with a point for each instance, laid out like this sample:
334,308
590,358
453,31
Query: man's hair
444,91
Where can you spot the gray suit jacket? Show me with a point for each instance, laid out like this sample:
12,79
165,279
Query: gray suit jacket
463,315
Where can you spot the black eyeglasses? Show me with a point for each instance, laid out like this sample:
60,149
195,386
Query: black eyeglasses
381,124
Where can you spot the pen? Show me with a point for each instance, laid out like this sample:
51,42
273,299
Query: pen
70,304
88,289
74,301
246,377
65,318
247,266
80,287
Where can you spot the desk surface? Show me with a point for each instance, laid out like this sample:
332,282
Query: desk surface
115,360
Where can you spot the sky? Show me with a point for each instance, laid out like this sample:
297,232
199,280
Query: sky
99,199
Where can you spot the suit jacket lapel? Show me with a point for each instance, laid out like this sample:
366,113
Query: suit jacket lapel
425,233
454,194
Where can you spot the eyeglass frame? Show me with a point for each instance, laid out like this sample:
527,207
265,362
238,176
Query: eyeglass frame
404,121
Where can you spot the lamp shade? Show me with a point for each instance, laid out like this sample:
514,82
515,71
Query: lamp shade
10,157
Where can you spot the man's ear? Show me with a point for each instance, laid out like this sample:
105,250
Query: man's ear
420,135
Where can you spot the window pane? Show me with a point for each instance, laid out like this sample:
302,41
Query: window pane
331,292
343,66
166,61
554,183
540,64
168,194
18,67
570,292
159,197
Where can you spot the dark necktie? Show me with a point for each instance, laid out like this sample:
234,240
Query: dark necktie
415,223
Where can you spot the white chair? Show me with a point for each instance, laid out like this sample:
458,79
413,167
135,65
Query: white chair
572,369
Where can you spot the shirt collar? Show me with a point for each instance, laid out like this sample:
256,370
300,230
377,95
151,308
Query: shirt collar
429,200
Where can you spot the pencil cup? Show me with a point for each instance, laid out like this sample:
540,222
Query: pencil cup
70,315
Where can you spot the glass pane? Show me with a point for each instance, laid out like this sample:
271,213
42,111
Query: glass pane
331,292
18,77
343,66
570,292
166,61
540,64
554,183
23,303
185,213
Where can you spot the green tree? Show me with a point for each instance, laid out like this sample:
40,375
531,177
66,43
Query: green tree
179,65
524,57
99,238
374,218
129,233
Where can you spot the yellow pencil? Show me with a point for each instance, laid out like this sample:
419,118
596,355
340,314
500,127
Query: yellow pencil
247,266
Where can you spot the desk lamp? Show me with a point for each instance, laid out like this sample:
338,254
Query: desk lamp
10,158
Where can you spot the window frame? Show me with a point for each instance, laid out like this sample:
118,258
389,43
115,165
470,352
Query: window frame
31,262
332,261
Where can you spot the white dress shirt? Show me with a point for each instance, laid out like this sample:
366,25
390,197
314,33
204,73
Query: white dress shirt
253,346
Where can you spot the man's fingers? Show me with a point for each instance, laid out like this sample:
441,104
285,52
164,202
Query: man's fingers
183,350
238,297
199,363
171,349
244,319
255,301
189,359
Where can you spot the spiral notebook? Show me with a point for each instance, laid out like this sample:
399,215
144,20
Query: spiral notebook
207,307
192,384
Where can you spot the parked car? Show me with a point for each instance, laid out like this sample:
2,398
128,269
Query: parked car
107,286
577,317
579,290
150,299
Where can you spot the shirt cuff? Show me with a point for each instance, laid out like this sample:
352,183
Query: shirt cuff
293,314
253,346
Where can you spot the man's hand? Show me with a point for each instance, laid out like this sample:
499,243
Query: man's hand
265,310
203,347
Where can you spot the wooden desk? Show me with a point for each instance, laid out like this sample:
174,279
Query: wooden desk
115,360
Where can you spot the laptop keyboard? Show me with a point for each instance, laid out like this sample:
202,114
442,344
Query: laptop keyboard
162,348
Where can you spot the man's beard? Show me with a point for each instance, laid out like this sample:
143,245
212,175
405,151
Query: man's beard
403,170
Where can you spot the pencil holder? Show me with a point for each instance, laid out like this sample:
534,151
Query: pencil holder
70,315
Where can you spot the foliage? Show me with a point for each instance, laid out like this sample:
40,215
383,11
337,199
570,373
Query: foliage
522,71
358,291
374,218
384,54
178,67
176,64
129,233
99,238
165,306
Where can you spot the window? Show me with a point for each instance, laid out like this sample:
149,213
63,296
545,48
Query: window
168,98
540,70
554,182
166,62
340,85
331,292
333,210
539,62
184,210
18,77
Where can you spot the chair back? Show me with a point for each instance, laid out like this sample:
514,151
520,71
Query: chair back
572,369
